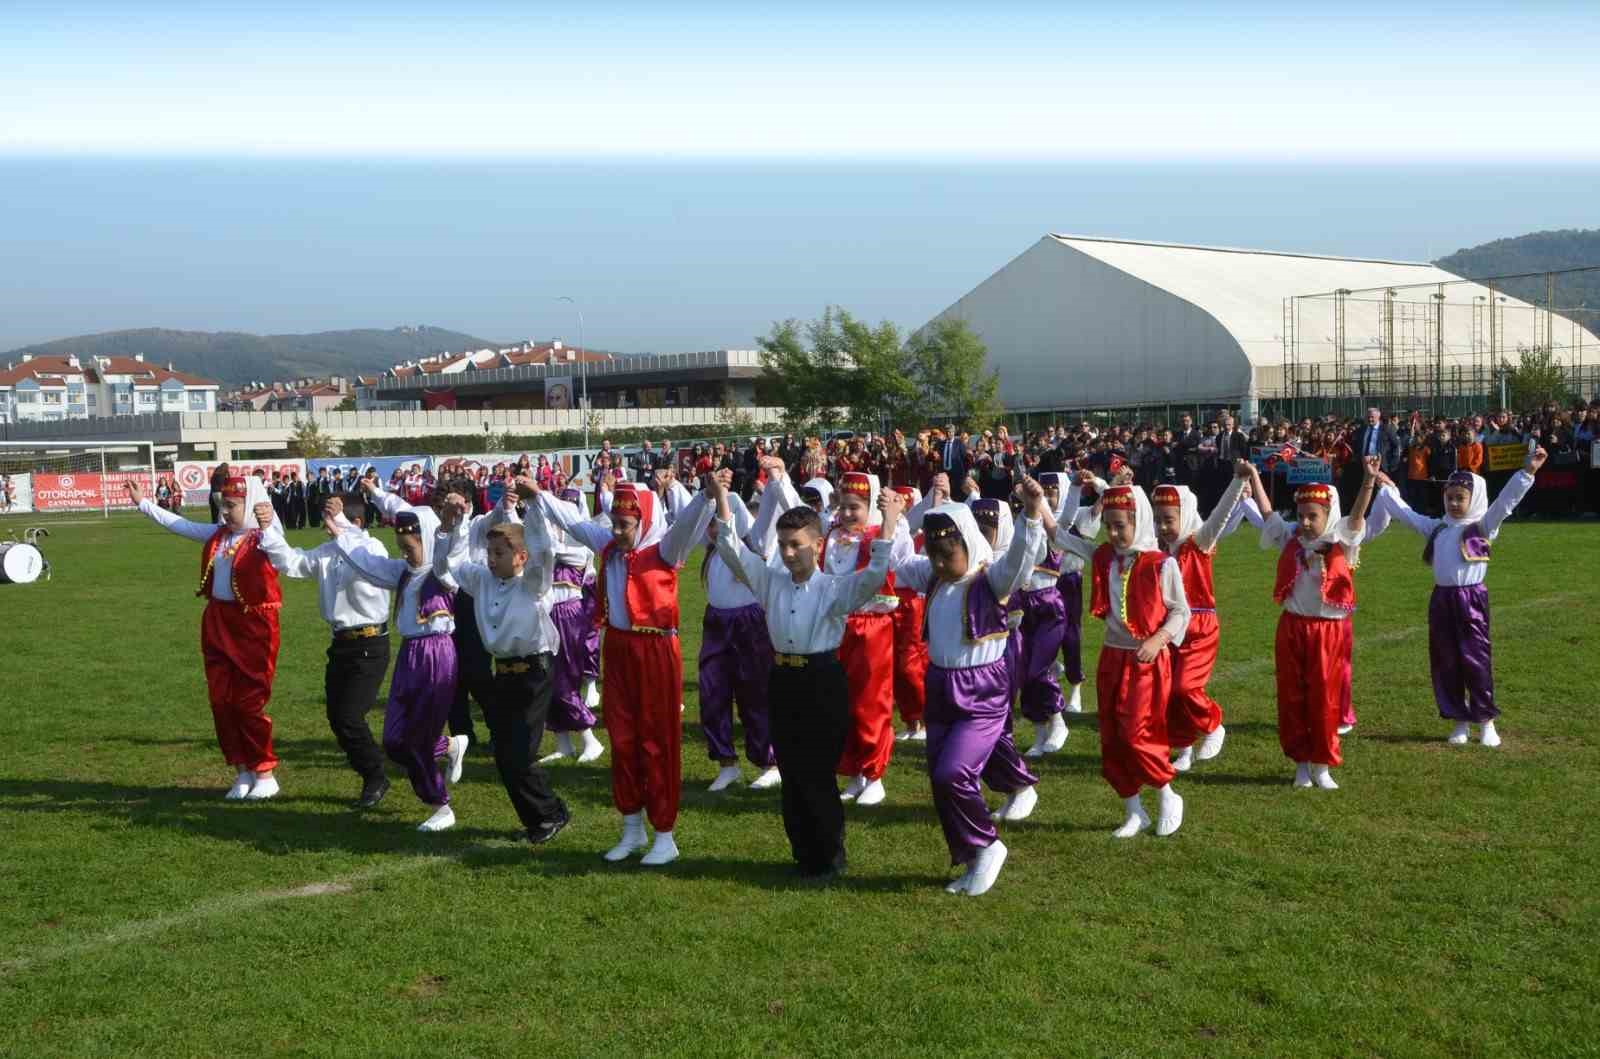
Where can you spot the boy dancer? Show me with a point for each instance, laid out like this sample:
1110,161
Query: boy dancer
642,663
910,649
1192,714
514,625
808,694
238,629
357,613
1458,612
970,680
424,684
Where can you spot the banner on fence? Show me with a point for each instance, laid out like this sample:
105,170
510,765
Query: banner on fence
1309,469
1504,457
384,465
194,476
86,490
18,496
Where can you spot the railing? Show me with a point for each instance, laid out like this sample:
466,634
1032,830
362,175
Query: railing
632,365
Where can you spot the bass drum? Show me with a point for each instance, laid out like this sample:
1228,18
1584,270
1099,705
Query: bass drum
19,563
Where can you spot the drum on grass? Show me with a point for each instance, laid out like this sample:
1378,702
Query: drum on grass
19,563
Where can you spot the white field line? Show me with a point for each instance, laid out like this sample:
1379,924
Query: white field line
1258,666
137,929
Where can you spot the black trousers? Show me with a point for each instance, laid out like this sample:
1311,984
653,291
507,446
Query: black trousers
297,514
474,670
809,711
516,710
355,671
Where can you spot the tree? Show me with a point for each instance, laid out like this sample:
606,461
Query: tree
1537,378
308,441
834,370
948,363
734,420
346,405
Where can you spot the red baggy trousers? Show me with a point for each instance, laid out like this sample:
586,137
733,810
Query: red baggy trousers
642,687
240,651
867,654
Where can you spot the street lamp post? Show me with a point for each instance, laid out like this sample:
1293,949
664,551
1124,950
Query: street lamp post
583,372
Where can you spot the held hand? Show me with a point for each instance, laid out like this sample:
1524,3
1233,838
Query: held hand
526,487
723,478
1241,468
892,504
774,467
1373,468
135,491
716,488
1033,495
1151,649
608,480
370,484
1536,460
263,513
941,486
332,509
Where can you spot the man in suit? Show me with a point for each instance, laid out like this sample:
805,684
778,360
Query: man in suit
1185,449
955,453
1375,438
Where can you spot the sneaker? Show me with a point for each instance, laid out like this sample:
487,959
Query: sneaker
767,780
241,786
727,776
443,819
1460,734
592,747
1489,736
372,791
455,757
547,830
1211,745
265,787
872,794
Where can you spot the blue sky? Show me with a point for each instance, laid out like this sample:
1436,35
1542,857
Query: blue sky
692,172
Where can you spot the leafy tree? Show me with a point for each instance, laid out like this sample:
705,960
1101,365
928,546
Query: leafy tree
835,370
307,440
346,405
1538,377
948,365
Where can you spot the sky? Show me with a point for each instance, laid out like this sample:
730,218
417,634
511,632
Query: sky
690,172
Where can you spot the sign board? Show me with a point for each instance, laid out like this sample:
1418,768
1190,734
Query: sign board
1504,457
194,476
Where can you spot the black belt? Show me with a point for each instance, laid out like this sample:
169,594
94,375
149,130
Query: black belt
361,632
524,664
804,661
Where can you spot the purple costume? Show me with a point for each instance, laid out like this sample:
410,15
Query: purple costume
579,657
735,666
1070,588
969,734
1458,638
1042,633
420,696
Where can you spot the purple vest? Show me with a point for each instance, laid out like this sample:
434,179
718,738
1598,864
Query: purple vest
1052,562
568,575
1475,544
983,616
432,601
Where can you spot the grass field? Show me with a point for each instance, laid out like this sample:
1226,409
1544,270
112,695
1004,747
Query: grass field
1444,902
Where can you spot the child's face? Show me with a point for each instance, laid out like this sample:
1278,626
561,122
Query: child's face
624,531
1456,501
233,512
1312,520
853,511
1119,529
410,545
504,560
990,533
948,558
1052,496
798,549
1168,521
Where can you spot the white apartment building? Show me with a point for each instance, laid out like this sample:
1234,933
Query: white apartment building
51,388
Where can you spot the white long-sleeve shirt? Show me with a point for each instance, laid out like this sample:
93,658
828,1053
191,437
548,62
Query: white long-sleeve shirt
596,536
222,565
840,559
1305,599
345,599
1223,520
807,617
1449,568
474,541
948,646
724,589
381,570
1118,635
512,613
566,550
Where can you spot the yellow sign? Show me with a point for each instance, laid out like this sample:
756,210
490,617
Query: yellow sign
1504,457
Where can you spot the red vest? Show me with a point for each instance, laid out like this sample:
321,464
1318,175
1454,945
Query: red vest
254,581
863,557
1195,565
1338,587
651,589
1143,608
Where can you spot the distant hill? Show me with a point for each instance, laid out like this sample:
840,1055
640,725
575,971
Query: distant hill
236,358
1537,252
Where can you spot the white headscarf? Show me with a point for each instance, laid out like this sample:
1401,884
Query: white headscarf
1002,537
1189,521
1144,522
653,524
824,489
255,492
1477,507
1352,552
874,516
978,551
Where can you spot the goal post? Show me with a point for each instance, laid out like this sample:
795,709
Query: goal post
62,479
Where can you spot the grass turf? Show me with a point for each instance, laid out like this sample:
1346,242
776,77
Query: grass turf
1443,902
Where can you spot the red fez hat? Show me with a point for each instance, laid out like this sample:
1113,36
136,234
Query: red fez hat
856,483
235,489
1119,498
1166,496
1314,493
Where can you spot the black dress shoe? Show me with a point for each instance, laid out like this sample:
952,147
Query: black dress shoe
372,792
548,830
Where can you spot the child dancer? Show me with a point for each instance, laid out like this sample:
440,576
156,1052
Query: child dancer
867,650
1191,713
424,684
1317,555
1041,636
577,665
357,613
238,629
817,494
1458,612
910,649
808,695
1079,496
642,663
1138,591
970,680
514,624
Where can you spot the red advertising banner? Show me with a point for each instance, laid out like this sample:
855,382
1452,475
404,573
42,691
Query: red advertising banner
85,491
194,476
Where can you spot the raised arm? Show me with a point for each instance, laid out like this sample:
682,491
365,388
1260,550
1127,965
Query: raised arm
388,503
591,533
294,562
1357,519
356,546
449,556
778,498
195,531
1027,545
538,574
1512,492
690,527
751,567
1394,505
1221,517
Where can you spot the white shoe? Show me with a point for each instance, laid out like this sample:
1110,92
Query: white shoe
265,787
903,736
920,735
872,794
1460,734
632,841
241,785
1137,819
1211,745
443,819
1489,737
591,694
1169,815
853,788
727,777
1019,805
680,709
1185,759
592,747
986,868
663,851
563,749
767,780
1048,737
959,884
455,757
1302,774
1075,700
1344,729
1041,736
1322,777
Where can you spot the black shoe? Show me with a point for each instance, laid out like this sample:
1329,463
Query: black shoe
548,830
372,792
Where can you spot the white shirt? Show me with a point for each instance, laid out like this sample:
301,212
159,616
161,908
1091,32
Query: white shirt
596,535
840,559
1306,597
807,617
1449,568
345,599
1118,634
475,542
568,552
512,613
222,565
724,589
1223,520
948,646
381,570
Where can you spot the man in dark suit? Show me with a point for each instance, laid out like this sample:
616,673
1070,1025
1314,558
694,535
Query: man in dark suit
1185,449
1375,438
955,454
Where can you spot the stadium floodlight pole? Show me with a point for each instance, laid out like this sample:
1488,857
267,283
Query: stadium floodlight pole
583,371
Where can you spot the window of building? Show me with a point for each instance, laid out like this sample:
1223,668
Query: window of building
197,400
27,398
52,397
147,397
172,396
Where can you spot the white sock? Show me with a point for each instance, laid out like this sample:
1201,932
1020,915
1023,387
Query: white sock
1137,819
633,838
592,748
768,779
1185,759
1460,733
1322,776
727,776
1489,735
1075,700
663,851
443,819
1302,774
872,794
1169,816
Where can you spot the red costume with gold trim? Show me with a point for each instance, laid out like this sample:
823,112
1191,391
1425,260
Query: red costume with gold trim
867,654
1132,695
910,648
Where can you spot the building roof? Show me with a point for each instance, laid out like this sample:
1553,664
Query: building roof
93,369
